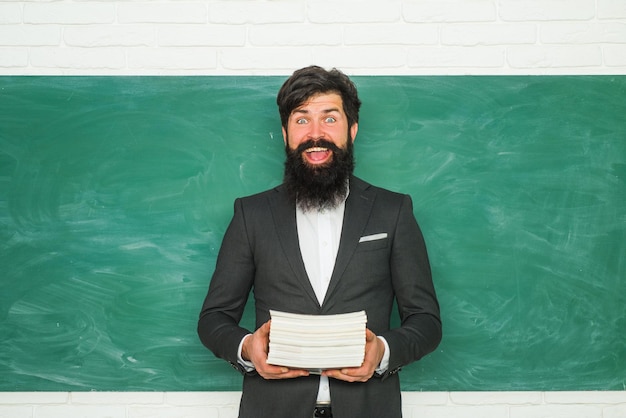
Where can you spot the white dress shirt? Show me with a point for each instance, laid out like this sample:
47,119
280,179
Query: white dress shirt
319,233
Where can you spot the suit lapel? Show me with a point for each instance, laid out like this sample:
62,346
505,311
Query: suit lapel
284,213
358,208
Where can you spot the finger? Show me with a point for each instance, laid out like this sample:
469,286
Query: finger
351,374
348,375
265,328
276,372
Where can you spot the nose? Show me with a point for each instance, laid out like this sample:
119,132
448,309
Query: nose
316,130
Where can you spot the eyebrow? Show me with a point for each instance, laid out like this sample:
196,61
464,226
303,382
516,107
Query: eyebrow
305,111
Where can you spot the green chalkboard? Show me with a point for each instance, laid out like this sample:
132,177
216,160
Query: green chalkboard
115,193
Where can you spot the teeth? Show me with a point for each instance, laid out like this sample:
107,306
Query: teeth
317,149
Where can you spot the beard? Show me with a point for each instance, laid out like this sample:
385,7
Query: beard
318,187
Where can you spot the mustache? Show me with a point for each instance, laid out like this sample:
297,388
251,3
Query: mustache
317,142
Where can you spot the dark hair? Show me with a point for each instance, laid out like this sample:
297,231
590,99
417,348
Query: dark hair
309,81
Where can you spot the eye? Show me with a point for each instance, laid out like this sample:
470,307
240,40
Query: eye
301,121
330,119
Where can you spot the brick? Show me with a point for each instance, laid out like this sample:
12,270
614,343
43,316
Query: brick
544,10
615,55
229,412
10,13
174,412
488,34
611,9
371,57
425,398
168,12
253,59
32,398
391,34
99,36
16,411
78,58
449,11
241,12
172,58
117,398
547,56
69,13
203,35
30,35
556,411
496,398
294,34
478,57
591,397
74,411
583,33
220,399
617,411
13,58
330,11
499,411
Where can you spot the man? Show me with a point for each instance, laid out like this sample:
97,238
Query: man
324,242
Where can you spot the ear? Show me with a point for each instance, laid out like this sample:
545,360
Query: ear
284,136
353,130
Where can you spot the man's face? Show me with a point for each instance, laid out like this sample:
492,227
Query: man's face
319,159
320,117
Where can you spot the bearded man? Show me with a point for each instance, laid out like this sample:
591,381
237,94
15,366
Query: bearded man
324,242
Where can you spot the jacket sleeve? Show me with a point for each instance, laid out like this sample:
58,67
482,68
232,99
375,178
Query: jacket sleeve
223,307
420,328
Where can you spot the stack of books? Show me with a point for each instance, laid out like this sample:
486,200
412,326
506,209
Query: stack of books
317,342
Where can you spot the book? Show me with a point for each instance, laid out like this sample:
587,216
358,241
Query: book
317,342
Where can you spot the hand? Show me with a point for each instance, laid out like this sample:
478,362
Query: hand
374,351
255,349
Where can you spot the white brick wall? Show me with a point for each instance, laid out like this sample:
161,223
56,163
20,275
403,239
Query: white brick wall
398,37
225,404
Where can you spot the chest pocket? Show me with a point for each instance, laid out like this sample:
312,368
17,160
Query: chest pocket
373,242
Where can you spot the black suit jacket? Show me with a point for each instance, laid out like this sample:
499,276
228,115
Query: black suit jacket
260,252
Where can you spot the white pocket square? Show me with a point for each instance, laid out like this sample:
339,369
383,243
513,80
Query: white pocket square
374,237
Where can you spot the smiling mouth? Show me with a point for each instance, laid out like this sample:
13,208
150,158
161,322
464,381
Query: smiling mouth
317,155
